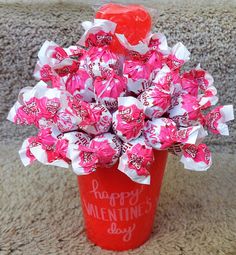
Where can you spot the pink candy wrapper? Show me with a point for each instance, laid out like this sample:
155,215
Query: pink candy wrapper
108,89
196,79
97,37
162,133
80,85
128,120
102,151
215,120
100,61
134,69
158,42
157,99
185,110
54,63
36,104
196,157
92,118
46,148
51,147
136,159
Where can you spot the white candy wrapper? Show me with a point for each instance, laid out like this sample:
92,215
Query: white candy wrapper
158,42
178,56
75,51
128,120
141,48
196,157
26,156
136,158
97,33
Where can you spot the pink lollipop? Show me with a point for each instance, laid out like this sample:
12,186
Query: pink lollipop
136,159
108,89
128,120
196,157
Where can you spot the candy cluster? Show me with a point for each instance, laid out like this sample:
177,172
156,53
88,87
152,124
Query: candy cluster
94,108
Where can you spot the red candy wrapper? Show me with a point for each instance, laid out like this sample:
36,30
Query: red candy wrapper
136,159
102,151
128,120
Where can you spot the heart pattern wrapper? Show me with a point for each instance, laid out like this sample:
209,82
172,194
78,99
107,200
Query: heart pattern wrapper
91,103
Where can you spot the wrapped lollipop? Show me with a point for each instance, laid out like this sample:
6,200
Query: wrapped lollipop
157,99
108,89
185,110
75,51
162,133
215,120
195,80
54,63
34,104
134,68
177,57
103,150
128,120
92,118
196,157
97,37
136,159
46,148
80,85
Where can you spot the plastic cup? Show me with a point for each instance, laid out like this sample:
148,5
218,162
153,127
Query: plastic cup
119,213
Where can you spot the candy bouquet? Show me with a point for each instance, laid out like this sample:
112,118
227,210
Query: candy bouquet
107,101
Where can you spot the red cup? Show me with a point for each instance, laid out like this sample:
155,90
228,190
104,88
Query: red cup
118,212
